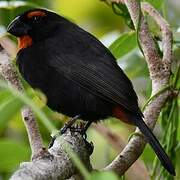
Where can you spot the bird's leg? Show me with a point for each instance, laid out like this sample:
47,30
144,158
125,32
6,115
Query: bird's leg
82,130
85,129
69,123
86,126
53,138
65,127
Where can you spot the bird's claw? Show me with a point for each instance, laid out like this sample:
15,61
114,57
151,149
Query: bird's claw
80,130
63,130
51,142
69,124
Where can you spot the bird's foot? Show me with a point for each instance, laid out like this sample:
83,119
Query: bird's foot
80,128
51,142
54,135
69,124
64,129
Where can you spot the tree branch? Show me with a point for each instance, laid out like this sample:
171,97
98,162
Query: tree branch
58,163
159,72
138,169
7,70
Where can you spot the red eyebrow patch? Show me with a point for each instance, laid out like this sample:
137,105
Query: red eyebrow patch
36,13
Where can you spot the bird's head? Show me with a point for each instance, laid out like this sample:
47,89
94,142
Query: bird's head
33,26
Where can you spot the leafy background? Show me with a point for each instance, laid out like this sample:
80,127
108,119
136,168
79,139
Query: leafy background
113,29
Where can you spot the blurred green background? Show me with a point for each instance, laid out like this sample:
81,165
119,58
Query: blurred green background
98,18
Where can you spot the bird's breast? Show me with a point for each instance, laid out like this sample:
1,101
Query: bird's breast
24,42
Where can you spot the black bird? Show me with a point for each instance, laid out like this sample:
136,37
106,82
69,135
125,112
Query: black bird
77,73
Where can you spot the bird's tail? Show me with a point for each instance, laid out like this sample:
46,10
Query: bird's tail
158,149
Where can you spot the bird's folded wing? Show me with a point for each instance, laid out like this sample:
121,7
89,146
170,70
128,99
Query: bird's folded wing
100,79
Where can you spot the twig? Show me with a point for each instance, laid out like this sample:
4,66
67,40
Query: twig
57,164
138,169
7,70
166,33
159,72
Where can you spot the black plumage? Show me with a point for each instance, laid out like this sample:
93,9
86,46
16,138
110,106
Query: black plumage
77,73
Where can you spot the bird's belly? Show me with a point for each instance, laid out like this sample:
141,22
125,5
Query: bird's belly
71,100
65,96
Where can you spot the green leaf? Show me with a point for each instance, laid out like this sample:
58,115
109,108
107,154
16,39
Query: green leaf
121,10
124,44
4,96
103,176
12,153
156,3
28,101
15,4
8,109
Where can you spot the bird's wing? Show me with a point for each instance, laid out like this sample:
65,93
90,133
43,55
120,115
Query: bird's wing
94,69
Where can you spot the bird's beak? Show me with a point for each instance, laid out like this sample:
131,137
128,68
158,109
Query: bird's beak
18,28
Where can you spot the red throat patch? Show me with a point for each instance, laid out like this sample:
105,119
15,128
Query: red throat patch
24,42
